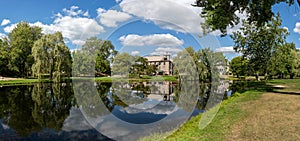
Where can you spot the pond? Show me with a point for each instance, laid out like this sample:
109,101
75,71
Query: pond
100,111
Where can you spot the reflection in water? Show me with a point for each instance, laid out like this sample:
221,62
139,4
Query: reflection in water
51,111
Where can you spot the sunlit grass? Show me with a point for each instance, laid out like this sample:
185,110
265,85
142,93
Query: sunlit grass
259,113
22,81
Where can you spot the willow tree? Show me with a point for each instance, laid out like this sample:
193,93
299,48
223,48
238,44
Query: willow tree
52,57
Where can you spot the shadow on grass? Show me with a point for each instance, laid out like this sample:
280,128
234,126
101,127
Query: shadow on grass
243,86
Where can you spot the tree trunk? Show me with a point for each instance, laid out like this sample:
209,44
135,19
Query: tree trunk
51,74
266,76
291,76
257,76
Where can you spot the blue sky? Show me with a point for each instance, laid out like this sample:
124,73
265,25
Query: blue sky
140,27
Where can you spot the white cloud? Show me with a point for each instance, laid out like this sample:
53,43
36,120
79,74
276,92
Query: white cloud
157,40
73,23
110,18
228,50
5,22
297,28
117,1
2,35
9,28
168,50
176,15
75,11
135,52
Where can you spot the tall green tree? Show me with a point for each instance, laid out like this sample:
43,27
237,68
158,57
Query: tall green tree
284,61
222,14
239,66
103,51
207,62
22,38
4,57
122,64
214,63
51,56
258,43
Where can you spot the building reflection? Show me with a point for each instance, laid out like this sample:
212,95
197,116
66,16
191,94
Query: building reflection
161,91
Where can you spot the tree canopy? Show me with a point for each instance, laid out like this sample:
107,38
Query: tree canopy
22,38
221,14
239,66
258,43
94,58
51,56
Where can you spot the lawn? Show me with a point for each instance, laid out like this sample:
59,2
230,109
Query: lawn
261,112
22,81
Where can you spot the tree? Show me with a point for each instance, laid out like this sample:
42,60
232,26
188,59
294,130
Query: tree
221,14
140,66
103,51
52,57
214,64
205,60
284,61
122,64
4,57
83,64
21,40
239,66
258,43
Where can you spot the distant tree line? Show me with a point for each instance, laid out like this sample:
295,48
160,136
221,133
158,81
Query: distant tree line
27,52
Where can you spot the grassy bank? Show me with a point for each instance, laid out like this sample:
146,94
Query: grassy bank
20,81
262,112
228,114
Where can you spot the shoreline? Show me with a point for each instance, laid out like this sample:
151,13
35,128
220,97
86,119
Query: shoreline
8,81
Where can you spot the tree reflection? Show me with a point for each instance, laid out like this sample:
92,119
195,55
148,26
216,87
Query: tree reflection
32,108
52,103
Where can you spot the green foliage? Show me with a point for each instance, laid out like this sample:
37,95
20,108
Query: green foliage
94,58
239,66
21,40
127,65
258,43
51,56
4,57
122,64
205,61
220,15
103,51
285,61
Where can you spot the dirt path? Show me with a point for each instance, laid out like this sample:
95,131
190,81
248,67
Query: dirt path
274,116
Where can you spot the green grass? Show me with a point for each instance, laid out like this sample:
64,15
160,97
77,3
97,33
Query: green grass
229,113
291,85
22,81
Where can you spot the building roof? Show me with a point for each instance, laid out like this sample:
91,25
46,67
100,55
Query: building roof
156,58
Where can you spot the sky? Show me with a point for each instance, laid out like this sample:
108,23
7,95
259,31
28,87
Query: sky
139,27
